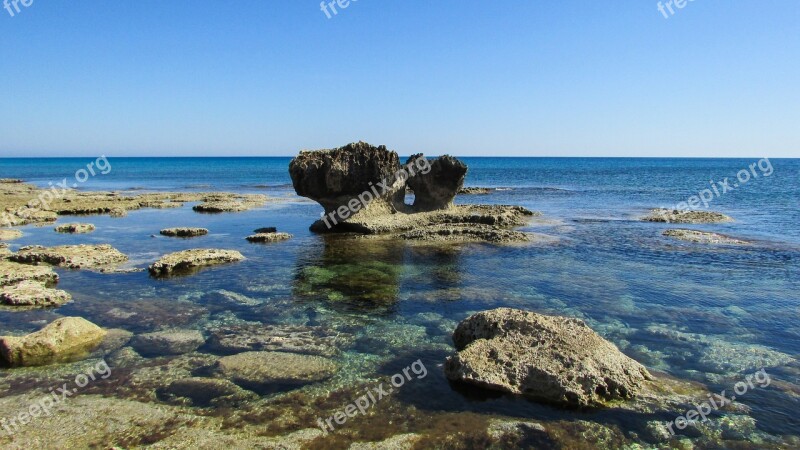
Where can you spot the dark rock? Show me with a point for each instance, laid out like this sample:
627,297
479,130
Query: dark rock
437,188
266,230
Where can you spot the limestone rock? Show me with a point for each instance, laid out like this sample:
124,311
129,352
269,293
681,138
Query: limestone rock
554,359
71,256
64,339
168,342
13,273
702,237
74,228
437,188
207,392
32,293
283,338
9,235
685,216
269,237
258,370
184,232
188,260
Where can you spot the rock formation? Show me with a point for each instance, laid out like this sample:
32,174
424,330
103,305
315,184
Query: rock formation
437,188
189,260
557,360
64,339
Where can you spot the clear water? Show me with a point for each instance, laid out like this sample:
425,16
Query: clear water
739,307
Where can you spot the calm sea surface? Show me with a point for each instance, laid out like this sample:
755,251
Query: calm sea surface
711,314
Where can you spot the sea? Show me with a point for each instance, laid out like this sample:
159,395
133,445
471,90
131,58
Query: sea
710,314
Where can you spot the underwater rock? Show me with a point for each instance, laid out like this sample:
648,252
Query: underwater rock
12,273
184,232
75,228
277,338
144,315
269,237
9,235
65,338
32,293
437,188
188,260
685,216
167,342
204,392
405,441
71,256
702,237
258,370
521,434
124,357
558,360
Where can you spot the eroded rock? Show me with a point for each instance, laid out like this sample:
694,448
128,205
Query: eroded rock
67,338
9,235
184,232
281,338
558,360
702,237
75,228
437,187
276,370
685,216
71,256
269,237
32,293
167,342
189,260
13,273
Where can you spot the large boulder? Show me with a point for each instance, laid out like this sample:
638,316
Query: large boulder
334,177
437,188
67,338
557,360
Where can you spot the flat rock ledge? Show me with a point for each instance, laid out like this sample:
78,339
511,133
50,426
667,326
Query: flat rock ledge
71,256
67,338
702,237
277,370
268,237
557,360
75,228
33,293
685,216
13,273
167,342
9,235
225,204
475,191
189,260
184,232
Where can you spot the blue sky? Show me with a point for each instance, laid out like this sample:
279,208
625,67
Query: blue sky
522,78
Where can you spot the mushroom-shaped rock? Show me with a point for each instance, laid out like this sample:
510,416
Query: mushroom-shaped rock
436,187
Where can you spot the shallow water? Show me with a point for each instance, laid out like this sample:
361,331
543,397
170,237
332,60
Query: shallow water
737,308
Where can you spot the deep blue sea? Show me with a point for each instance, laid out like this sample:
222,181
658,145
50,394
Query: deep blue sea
710,314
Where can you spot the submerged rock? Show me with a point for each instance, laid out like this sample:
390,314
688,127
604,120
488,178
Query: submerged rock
685,216
702,237
168,342
281,338
405,441
64,339
278,370
9,235
13,273
32,293
269,237
75,228
205,392
71,256
188,260
558,360
184,232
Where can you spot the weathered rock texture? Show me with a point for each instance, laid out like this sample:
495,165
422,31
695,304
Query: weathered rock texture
75,228
702,237
437,188
362,189
269,237
184,232
259,370
71,256
13,273
189,260
277,338
63,339
557,360
9,235
685,216
168,342
32,293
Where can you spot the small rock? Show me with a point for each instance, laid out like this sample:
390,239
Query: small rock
32,293
188,260
269,237
474,191
685,216
222,206
184,232
118,212
266,230
169,342
75,228
64,339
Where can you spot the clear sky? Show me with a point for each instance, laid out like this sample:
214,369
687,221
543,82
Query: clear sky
516,77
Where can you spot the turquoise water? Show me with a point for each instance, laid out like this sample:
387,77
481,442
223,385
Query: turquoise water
735,309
